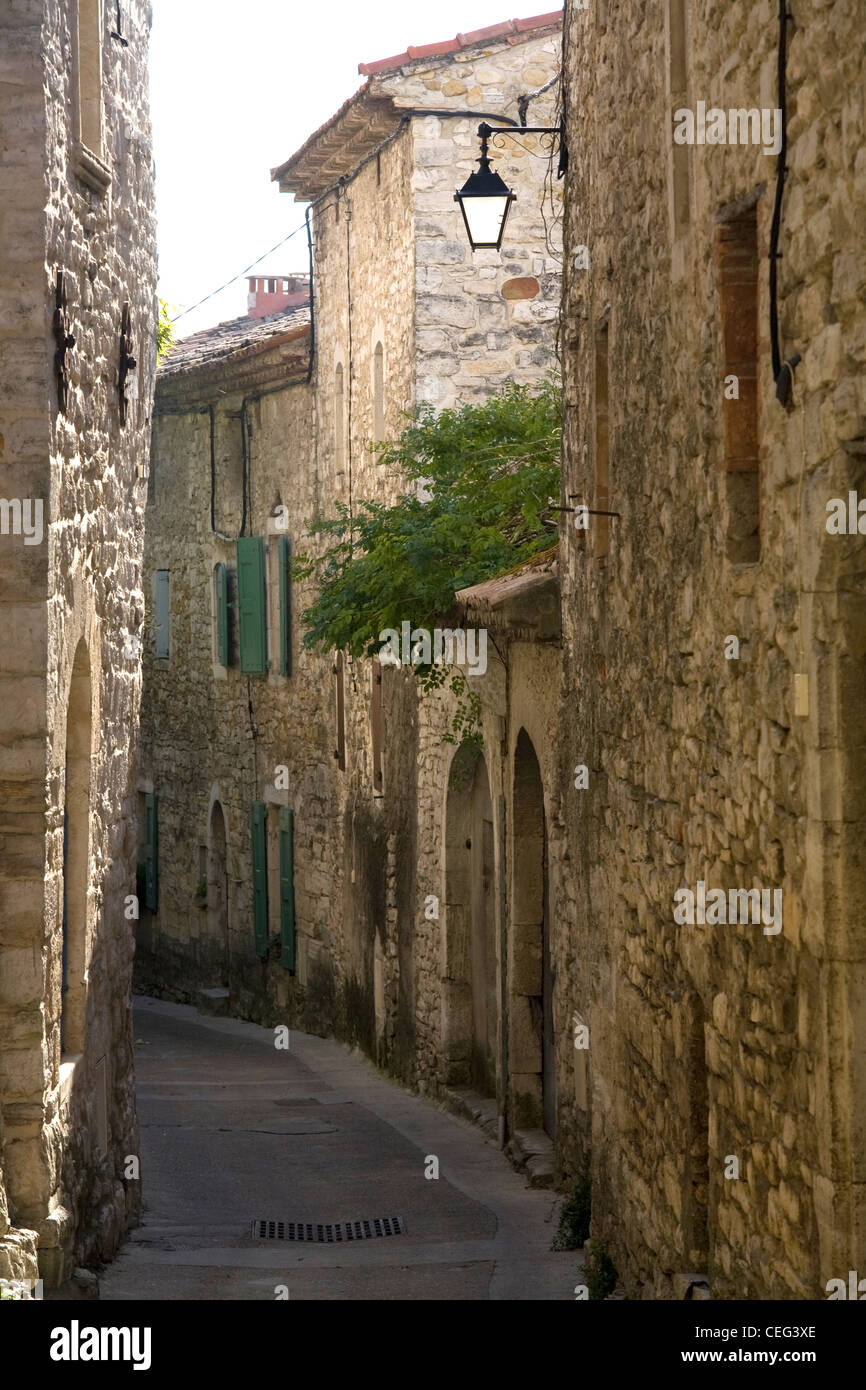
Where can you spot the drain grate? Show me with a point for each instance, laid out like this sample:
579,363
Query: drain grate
335,1231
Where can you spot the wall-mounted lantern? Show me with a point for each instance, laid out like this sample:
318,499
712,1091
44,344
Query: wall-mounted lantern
485,198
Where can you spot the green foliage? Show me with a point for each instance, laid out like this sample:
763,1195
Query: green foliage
573,1229
165,332
478,481
601,1276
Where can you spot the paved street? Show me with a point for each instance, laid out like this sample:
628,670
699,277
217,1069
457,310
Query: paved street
234,1130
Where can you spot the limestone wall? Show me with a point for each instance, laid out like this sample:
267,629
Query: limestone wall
214,738
470,337
70,605
714,1042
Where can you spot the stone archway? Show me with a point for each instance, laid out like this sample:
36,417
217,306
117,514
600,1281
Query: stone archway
532,1058
217,897
471,1014
76,856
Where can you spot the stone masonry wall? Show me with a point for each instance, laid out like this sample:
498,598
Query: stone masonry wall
470,337
214,737
709,1043
449,335
72,601
393,270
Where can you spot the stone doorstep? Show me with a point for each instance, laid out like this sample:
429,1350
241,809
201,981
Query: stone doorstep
531,1152
479,1110
214,1002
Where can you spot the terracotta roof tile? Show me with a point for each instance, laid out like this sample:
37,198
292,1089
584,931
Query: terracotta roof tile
225,339
448,46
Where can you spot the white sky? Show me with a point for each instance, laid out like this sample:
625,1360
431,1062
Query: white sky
235,90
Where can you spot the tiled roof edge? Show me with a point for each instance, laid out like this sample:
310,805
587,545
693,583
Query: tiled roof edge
461,41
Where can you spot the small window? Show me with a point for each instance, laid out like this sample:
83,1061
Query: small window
280,604
287,889
602,445
162,635
151,852
379,393
339,421
259,823
221,615
89,60
340,711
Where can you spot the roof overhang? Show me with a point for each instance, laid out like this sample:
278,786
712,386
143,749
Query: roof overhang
337,148
524,603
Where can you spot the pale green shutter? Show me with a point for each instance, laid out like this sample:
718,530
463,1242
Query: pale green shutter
260,878
287,887
284,556
222,598
163,611
252,610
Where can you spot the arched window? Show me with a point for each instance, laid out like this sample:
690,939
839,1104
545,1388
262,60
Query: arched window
379,392
90,28
339,421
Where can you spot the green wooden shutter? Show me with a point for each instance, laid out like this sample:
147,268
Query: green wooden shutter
284,555
287,887
252,611
163,613
260,878
222,598
151,852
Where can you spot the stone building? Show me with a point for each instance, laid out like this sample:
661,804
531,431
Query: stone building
231,698
713,641
77,361
320,796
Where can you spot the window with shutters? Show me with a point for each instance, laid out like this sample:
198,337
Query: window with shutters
280,603
259,821
737,268
287,888
379,392
377,726
221,653
252,605
162,614
339,422
340,711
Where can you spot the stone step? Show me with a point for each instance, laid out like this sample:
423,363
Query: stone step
469,1105
213,1001
531,1151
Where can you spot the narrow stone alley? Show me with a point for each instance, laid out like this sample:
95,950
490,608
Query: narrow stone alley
235,1130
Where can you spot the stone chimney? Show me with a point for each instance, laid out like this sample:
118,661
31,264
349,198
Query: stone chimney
268,294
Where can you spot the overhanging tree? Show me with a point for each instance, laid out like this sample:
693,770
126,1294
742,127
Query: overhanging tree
478,486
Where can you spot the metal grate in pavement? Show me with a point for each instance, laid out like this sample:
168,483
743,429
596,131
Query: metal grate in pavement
333,1231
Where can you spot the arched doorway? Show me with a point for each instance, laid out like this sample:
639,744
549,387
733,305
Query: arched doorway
76,856
217,896
532,1057
470,994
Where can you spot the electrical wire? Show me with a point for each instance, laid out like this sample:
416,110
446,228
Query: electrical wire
240,273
